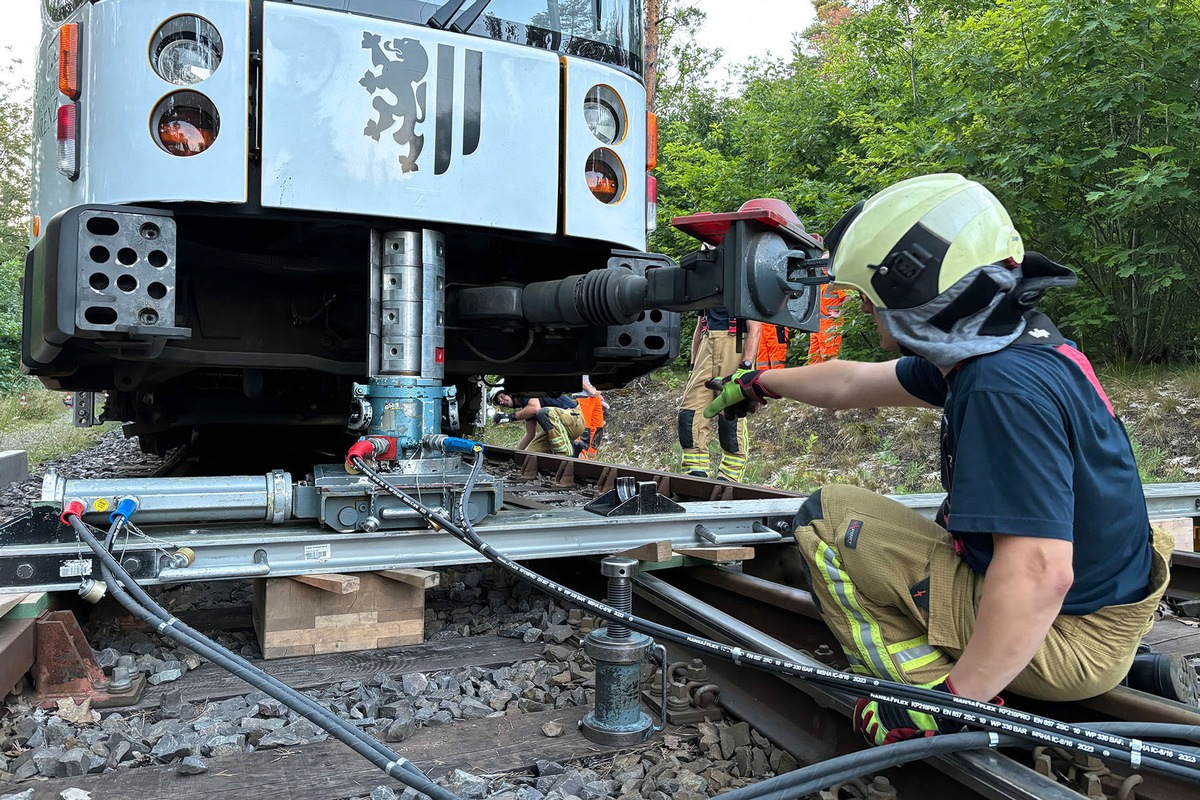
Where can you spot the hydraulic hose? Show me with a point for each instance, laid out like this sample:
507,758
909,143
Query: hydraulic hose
952,707
193,636
824,774
144,607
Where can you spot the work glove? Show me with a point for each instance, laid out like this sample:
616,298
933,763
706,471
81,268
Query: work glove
499,418
881,722
739,394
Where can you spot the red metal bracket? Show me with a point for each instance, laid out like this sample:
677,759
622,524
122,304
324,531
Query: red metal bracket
64,665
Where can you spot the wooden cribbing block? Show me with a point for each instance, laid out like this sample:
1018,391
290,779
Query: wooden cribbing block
23,606
717,553
651,551
295,618
10,601
422,578
329,582
1181,529
17,639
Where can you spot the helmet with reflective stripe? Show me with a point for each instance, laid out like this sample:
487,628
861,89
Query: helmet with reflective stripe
914,240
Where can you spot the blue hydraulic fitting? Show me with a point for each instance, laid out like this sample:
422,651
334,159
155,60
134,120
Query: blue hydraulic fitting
617,719
450,444
125,509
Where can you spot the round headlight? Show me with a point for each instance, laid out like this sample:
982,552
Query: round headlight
185,123
604,114
185,50
601,119
605,176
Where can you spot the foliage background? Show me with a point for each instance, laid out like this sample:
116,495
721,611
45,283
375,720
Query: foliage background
1081,117
14,218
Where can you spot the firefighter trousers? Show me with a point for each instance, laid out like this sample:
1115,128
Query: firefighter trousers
717,357
902,603
564,426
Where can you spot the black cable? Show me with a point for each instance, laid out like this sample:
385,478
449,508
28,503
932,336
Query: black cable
145,608
832,771
192,635
951,707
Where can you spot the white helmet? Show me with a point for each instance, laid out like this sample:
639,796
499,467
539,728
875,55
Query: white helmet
914,240
939,258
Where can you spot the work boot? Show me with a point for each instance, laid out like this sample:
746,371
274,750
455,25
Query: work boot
697,473
1164,675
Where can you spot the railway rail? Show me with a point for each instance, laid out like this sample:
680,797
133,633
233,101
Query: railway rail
753,607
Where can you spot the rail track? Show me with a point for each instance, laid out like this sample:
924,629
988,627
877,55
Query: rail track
759,607
754,607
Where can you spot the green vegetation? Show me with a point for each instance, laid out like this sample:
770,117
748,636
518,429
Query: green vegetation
1081,117
42,426
15,139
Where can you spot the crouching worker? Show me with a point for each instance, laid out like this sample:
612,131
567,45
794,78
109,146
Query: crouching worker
552,423
1042,572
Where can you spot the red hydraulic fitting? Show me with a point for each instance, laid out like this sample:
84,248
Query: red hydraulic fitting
387,448
363,449
383,448
72,508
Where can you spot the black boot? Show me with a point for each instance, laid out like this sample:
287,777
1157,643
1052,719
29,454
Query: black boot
1169,676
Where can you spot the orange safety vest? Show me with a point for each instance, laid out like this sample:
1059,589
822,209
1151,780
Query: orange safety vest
773,347
827,341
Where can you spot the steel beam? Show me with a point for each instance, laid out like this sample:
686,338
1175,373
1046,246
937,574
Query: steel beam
229,550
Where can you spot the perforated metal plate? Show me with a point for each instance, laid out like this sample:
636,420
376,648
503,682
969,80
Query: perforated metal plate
126,273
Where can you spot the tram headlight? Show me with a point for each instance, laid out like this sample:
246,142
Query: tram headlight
604,114
185,123
185,50
605,176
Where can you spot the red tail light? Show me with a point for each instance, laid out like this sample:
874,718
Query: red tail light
651,203
68,140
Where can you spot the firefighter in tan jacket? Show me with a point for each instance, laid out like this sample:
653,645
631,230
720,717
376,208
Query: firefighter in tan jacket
715,353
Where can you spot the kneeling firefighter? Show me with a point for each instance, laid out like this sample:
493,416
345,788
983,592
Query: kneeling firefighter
1042,572
552,423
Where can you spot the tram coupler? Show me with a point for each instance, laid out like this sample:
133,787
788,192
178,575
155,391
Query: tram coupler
617,719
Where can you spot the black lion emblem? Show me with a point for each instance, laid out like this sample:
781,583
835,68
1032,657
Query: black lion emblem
404,76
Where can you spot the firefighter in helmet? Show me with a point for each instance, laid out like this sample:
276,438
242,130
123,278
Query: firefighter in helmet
552,423
1042,571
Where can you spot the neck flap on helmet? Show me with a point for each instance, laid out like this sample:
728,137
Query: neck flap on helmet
983,312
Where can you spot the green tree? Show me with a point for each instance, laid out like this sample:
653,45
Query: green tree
1082,117
15,143
15,139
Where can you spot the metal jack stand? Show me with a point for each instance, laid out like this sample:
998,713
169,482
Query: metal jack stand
618,719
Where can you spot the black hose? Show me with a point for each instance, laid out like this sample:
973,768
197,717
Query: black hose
298,698
144,607
952,707
1154,730
824,774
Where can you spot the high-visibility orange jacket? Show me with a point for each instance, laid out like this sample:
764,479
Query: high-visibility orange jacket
826,342
773,346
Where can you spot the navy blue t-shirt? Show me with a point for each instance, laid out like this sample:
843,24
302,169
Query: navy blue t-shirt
558,401
718,318
1030,447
